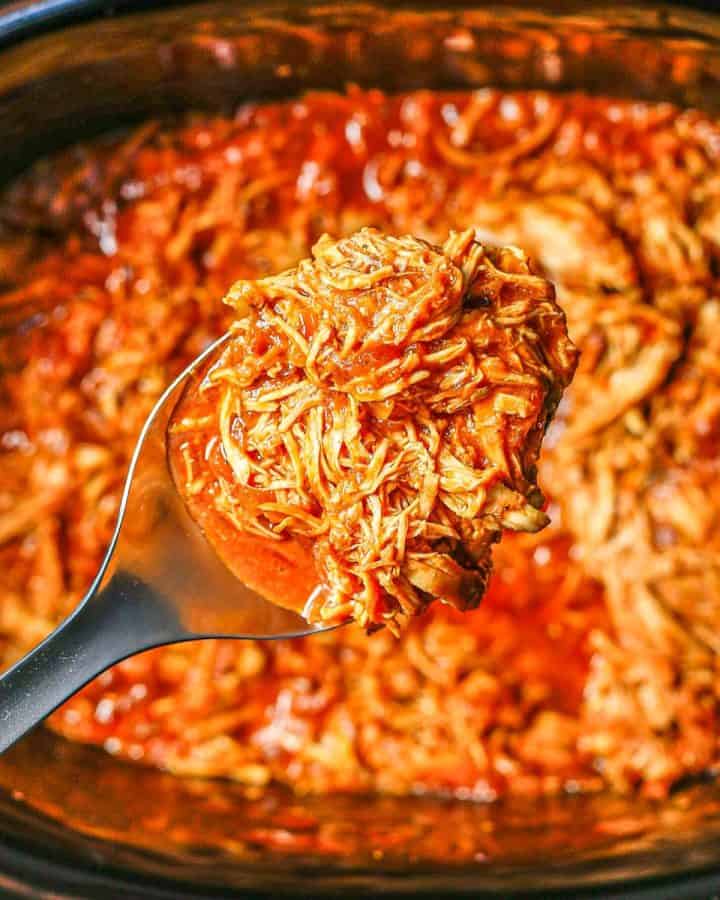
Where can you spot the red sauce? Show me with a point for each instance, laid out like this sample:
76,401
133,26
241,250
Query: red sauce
281,571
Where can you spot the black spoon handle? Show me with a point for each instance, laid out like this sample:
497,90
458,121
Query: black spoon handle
125,617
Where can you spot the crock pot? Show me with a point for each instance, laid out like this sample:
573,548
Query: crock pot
76,823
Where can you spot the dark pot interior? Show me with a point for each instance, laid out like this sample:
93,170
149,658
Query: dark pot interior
73,819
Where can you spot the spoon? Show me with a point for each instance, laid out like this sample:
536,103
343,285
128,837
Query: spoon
160,583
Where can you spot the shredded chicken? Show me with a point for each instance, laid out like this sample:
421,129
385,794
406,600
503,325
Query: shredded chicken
593,659
387,399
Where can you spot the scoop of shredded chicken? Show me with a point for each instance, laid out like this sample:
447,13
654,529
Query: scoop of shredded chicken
387,399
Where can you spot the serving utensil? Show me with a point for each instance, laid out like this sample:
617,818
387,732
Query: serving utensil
160,583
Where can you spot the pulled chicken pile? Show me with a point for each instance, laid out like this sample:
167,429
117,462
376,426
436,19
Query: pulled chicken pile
386,399
593,660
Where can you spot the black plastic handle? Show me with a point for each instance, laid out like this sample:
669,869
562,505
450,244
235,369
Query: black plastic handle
125,617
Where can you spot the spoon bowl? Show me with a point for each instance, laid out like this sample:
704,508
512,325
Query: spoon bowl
161,582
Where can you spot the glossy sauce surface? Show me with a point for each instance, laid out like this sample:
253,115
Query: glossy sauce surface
281,571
